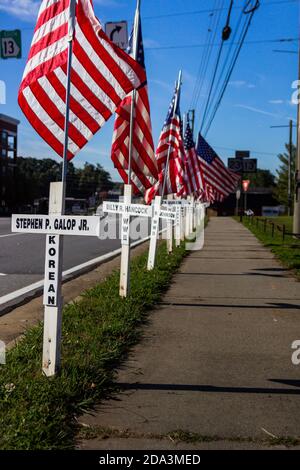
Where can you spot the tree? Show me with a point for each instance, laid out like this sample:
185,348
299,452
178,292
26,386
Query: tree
281,190
260,179
33,177
93,179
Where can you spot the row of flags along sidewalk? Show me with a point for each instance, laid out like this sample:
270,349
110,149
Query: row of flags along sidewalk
75,79
103,78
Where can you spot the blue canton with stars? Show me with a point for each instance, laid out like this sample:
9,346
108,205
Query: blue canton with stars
140,54
205,151
188,138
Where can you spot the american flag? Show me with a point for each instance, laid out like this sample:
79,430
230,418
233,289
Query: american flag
102,75
193,176
170,138
143,163
217,179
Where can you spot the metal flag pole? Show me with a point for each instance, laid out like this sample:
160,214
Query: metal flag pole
158,199
68,93
178,86
133,100
125,253
54,243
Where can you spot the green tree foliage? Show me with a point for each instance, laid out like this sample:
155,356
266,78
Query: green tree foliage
33,176
281,190
260,179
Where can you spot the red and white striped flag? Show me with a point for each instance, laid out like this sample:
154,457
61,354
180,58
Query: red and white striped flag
170,141
193,176
217,178
144,171
101,76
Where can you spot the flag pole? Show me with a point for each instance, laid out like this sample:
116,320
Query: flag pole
71,28
125,250
178,86
132,110
53,313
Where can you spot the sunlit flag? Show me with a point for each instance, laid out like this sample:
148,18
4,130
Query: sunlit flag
171,142
102,75
219,179
143,163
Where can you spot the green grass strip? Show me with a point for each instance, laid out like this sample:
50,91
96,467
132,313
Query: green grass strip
287,251
39,413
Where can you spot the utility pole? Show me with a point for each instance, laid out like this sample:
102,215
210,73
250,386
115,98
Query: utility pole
296,218
290,169
296,225
290,158
191,120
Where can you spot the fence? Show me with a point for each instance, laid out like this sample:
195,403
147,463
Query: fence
274,228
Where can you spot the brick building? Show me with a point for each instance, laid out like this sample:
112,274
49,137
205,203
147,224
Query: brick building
8,160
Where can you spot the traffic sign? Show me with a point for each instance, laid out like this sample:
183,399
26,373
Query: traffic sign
250,165
240,165
238,194
11,44
246,184
117,32
242,154
235,164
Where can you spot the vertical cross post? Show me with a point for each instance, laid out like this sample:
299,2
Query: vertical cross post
154,233
52,295
170,229
125,250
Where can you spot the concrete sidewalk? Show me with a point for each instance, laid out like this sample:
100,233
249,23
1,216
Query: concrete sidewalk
216,356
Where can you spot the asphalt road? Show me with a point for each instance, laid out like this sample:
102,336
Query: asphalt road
22,255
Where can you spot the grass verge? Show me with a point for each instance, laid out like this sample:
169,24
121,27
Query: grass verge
40,413
288,252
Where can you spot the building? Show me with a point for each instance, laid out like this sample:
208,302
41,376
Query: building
257,198
8,161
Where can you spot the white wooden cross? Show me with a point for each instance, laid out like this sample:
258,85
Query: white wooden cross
126,210
160,211
54,226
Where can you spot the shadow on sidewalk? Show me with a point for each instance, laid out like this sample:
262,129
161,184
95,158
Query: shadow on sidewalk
272,305
216,389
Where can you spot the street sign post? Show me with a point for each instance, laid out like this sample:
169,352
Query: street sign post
11,44
238,197
118,33
242,154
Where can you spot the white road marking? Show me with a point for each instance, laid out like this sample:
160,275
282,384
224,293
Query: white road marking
38,285
11,235
1,274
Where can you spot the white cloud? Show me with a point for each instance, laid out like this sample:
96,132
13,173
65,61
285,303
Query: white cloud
149,43
24,9
276,101
241,84
28,9
256,110
162,84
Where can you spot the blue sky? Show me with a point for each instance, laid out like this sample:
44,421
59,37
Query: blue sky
258,95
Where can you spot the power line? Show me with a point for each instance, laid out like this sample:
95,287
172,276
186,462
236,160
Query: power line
252,151
199,12
217,65
200,80
191,46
